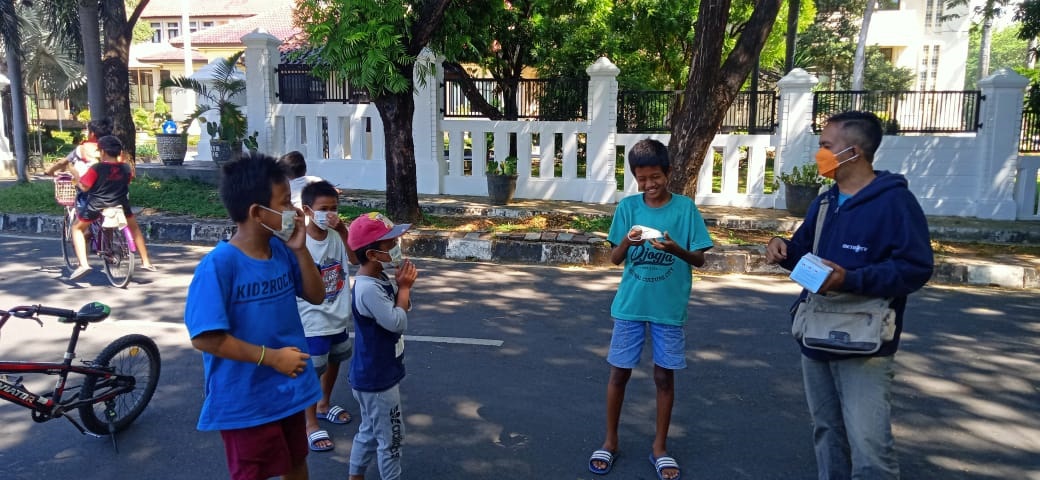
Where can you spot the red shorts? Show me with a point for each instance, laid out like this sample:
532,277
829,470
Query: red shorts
268,450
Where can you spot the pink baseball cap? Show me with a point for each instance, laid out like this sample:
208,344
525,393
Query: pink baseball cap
372,227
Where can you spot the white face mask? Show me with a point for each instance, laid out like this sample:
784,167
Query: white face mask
321,219
288,223
396,257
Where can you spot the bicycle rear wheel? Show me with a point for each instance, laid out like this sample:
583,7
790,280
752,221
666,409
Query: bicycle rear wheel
136,356
119,260
67,249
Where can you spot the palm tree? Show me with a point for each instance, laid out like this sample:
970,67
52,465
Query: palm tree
9,27
219,96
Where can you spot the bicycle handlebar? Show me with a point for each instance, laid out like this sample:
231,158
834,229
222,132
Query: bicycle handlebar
91,312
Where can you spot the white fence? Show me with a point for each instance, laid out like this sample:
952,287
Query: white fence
968,175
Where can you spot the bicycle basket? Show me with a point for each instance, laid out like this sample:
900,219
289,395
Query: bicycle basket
64,191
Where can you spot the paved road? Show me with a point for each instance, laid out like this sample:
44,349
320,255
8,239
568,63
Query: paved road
966,395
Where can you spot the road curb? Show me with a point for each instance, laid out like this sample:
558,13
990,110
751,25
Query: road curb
546,248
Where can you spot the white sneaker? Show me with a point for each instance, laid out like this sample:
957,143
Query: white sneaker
79,273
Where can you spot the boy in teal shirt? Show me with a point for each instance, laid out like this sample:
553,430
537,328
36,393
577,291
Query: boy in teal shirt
659,236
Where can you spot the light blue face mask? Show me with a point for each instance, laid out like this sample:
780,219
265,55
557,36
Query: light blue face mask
288,224
396,257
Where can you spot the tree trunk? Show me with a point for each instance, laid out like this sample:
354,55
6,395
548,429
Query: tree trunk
792,34
985,45
710,89
90,32
117,74
19,119
472,93
402,197
1031,54
860,60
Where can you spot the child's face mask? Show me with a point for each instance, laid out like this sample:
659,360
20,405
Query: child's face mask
320,218
288,223
396,257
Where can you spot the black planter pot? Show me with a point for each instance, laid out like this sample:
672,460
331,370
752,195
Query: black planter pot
799,197
172,147
501,189
221,151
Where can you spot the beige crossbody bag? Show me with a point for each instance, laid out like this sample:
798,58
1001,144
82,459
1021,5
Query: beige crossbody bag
842,322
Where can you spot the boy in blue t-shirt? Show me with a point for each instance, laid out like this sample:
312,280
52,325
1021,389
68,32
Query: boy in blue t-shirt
659,236
241,313
380,311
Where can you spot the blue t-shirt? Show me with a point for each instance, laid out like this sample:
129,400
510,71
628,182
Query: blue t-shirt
655,286
255,301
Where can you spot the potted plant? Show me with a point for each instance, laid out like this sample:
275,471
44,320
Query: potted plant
802,186
501,180
251,143
226,134
171,146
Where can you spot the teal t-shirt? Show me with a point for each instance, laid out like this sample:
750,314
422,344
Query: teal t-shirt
655,286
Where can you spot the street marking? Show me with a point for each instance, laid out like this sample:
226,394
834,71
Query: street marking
412,338
454,340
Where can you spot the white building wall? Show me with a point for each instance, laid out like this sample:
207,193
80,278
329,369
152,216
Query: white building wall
907,33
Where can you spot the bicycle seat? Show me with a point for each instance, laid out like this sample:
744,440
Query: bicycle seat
90,313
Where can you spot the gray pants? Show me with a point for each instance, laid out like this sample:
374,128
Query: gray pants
380,433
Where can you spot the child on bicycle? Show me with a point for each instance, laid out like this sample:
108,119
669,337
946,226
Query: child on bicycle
326,325
105,184
86,153
241,313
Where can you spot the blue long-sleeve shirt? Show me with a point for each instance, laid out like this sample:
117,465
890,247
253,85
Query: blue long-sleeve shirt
879,236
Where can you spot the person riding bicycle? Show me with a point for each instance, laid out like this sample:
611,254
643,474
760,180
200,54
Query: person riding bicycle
86,153
105,184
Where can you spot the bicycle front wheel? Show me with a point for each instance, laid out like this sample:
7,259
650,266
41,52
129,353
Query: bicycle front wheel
119,260
134,356
67,250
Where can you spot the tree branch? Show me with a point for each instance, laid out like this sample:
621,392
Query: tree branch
469,89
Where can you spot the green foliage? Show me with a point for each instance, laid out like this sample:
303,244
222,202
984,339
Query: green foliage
592,224
1007,49
882,75
30,197
162,109
251,143
806,174
147,150
361,40
506,167
227,83
143,120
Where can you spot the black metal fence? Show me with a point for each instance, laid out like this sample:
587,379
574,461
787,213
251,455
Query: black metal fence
651,111
297,85
549,99
1029,140
905,111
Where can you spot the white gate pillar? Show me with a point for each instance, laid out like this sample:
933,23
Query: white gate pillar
795,138
8,165
261,58
1001,117
600,144
427,136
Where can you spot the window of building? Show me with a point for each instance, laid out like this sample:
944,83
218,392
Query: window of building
888,5
173,29
922,71
207,24
929,13
156,31
888,53
193,26
141,89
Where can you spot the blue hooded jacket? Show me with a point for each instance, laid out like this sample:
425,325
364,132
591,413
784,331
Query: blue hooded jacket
880,237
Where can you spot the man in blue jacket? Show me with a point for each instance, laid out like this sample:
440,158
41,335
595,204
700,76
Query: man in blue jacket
875,237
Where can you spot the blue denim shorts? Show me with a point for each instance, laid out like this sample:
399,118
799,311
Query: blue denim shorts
626,344
335,348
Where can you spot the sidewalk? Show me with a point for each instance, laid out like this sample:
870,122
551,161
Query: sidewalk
570,247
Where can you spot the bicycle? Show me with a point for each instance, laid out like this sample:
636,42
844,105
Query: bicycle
117,384
111,241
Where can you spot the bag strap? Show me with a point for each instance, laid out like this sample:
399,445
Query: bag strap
821,216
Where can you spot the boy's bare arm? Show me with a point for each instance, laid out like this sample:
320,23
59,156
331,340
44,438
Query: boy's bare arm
618,253
288,361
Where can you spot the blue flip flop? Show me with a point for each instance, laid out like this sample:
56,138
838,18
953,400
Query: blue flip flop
317,436
333,415
663,462
604,456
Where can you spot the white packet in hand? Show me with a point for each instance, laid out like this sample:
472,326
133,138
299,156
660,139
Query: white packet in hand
647,233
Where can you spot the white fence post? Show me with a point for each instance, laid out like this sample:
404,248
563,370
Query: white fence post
261,58
794,129
427,135
600,141
998,139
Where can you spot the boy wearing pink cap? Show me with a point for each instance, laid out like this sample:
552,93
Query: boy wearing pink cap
380,306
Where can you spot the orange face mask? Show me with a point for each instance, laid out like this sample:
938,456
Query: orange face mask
827,162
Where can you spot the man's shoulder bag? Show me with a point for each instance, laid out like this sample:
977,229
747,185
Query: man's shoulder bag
843,323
